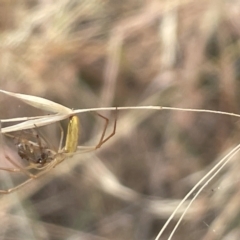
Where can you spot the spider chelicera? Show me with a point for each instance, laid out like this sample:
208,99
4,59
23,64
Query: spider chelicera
38,155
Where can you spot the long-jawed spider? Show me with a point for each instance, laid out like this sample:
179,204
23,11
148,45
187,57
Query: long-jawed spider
38,155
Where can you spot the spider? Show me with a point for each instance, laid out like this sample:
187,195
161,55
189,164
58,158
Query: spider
38,155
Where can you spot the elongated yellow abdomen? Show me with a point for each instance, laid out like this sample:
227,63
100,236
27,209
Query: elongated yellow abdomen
72,135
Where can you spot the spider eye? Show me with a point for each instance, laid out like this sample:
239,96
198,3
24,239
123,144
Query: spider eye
40,160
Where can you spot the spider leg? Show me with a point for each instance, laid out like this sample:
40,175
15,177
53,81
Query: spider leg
10,169
17,168
61,138
16,187
38,138
102,139
40,135
10,190
21,169
49,167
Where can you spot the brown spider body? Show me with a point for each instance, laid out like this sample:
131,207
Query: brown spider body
34,154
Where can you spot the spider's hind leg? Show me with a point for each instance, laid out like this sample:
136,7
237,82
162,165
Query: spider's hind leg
102,139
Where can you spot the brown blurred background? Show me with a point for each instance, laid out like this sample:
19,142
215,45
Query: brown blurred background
96,53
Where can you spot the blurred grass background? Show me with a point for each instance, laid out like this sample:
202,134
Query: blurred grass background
100,53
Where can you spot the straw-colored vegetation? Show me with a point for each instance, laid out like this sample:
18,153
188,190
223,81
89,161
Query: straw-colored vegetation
91,53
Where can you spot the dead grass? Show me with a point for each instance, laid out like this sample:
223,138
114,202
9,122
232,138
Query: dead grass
111,53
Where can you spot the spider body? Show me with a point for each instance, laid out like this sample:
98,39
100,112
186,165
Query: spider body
33,154
73,133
